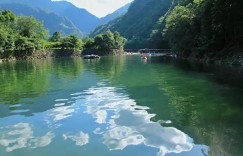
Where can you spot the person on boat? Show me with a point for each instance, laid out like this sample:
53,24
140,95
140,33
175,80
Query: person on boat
144,56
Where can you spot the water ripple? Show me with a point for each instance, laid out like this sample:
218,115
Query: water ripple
101,113
128,124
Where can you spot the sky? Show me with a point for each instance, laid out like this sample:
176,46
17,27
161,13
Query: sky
99,8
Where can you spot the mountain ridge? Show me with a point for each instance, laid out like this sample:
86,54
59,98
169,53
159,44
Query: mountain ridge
121,11
51,21
138,24
81,18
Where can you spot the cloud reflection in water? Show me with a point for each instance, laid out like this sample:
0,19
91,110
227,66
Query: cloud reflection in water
116,120
21,135
129,124
60,113
81,138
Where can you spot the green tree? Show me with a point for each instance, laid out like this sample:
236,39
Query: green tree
20,35
56,37
88,42
98,41
119,41
179,30
137,24
7,17
203,28
7,40
3,40
31,28
71,42
24,47
109,41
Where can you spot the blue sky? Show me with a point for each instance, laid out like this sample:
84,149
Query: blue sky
99,8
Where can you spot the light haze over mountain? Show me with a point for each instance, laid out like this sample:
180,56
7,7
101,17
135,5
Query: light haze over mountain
80,18
99,8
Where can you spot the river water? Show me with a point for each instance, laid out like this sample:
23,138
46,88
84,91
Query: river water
120,106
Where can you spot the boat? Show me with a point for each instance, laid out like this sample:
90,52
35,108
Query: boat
92,56
144,57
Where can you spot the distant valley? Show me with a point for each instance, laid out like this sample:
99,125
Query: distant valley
50,20
60,16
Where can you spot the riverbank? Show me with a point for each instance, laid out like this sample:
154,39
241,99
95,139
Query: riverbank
231,56
57,53
43,54
102,52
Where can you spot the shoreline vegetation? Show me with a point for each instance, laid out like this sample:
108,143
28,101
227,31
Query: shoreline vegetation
24,37
205,30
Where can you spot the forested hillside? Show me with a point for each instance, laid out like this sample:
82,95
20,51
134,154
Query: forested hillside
51,21
206,28
112,16
139,24
192,28
81,18
196,28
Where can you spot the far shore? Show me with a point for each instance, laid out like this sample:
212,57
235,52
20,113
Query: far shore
235,60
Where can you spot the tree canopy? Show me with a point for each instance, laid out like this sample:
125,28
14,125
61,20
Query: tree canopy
138,23
197,28
106,41
20,35
202,27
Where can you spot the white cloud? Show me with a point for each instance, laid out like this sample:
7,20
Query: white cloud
21,135
60,113
81,138
99,8
129,124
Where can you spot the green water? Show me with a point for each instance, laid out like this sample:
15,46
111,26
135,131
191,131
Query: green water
119,106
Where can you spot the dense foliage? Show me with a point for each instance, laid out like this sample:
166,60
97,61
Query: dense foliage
197,28
51,21
205,27
19,36
79,17
57,41
105,42
141,24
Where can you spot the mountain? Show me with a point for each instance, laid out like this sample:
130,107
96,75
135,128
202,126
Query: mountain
115,14
81,18
84,20
51,21
141,23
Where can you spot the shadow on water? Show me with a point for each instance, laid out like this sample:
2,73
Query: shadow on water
206,103
223,74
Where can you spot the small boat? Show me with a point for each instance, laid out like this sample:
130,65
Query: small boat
144,57
92,56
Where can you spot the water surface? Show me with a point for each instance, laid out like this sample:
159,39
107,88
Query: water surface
118,106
